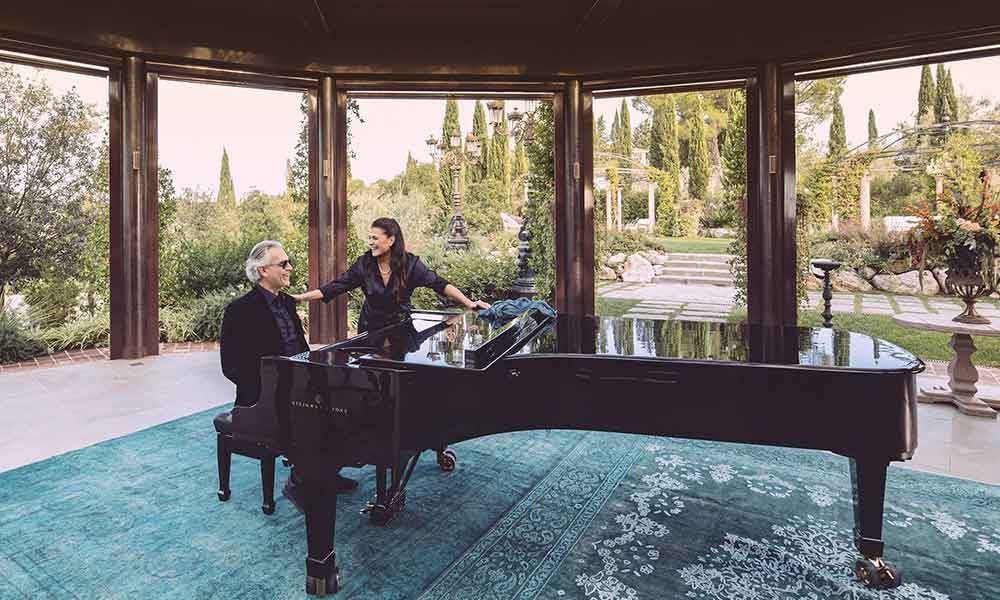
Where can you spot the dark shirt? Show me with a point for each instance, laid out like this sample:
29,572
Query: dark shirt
383,303
291,340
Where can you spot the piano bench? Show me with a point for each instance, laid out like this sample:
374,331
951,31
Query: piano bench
229,442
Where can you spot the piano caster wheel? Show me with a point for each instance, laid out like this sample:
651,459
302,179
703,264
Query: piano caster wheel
224,495
876,574
447,460
285,462
379,514
316,586
268,509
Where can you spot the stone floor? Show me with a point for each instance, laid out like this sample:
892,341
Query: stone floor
51,411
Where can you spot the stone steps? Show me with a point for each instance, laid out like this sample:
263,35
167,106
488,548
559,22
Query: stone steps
694,280
688,256
696,271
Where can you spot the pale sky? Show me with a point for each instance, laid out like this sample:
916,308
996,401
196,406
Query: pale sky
259,128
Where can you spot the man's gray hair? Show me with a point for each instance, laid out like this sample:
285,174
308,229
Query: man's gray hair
258,258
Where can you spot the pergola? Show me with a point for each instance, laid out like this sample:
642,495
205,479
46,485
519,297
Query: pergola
568,51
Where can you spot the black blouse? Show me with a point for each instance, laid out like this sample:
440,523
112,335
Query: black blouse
382,302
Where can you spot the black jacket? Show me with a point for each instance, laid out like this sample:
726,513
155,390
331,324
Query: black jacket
383,303
250,332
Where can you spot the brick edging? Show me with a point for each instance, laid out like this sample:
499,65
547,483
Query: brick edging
70,357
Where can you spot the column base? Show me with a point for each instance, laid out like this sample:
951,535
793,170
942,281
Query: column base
967,405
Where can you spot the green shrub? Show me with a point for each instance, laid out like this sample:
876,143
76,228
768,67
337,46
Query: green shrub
207,311
89,332
199,319
480,276
52,300
177,324
17,342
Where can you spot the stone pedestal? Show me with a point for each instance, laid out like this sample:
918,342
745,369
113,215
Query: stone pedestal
962,374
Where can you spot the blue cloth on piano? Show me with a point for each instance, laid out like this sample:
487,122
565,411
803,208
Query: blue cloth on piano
505,310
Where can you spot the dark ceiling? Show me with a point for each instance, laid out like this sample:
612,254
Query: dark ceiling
531,38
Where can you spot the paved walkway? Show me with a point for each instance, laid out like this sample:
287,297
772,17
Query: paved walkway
671,300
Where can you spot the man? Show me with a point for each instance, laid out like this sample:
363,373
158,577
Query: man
263,322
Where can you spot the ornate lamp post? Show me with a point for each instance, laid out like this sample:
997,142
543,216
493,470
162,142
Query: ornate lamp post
452,155
522,130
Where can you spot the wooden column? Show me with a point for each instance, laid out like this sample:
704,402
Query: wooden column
771,268
134,227
327,207
574,207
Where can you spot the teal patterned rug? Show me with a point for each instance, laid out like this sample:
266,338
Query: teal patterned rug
551,515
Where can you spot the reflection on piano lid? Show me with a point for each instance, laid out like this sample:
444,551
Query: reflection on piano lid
462,340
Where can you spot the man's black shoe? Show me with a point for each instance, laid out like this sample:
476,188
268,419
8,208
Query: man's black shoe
344,484
292,491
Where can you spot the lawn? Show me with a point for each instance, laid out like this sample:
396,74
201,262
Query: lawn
696,245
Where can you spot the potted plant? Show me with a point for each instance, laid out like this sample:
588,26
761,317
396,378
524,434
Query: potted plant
964,236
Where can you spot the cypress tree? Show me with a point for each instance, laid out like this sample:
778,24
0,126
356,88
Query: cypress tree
480,129
498,166
941,108
227,193
925,97
411,165
872,130
600,135
838,134
658,135
734,155
671,143
615,127
449,127
952,98
519,168
625,132
699,163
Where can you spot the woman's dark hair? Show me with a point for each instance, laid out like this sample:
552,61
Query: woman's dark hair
397,252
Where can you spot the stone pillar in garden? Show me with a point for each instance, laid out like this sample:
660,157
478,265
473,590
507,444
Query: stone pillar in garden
865,201
651,210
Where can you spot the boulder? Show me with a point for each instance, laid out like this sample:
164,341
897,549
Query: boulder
615,259
659,269
846,280
867,273
909,283
720,232
638,270
607,274
887,282
811,283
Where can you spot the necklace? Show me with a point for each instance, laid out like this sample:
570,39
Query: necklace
384,271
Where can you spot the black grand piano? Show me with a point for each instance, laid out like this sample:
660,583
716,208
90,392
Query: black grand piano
436,379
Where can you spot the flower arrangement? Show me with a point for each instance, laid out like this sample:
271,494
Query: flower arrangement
964,236
961,234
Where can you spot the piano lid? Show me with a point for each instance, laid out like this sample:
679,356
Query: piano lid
462,340
734,342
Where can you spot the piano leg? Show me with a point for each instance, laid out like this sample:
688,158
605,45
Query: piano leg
322,575
868,486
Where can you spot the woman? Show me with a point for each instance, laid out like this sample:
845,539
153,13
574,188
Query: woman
388,274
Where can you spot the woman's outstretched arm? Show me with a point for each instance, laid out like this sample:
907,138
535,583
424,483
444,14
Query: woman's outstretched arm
352,278
456,294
